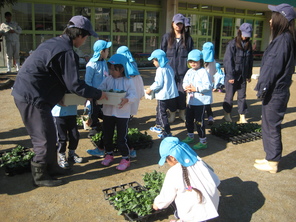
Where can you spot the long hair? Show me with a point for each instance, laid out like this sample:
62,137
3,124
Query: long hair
173,36
187,181
75,32
280,25
238,42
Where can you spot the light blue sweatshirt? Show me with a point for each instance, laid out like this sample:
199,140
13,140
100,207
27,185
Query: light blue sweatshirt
164,84
96,72
200,79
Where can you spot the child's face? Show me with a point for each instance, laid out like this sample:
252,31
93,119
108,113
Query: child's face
155,63
171,160
195,65
116,73
104,53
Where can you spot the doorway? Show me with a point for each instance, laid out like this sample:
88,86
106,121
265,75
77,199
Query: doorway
217,36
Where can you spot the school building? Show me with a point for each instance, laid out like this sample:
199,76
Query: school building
140,24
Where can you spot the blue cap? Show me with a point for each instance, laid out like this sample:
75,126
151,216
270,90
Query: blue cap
121,59
98,47
132,70
82,22
182,152
246,29
218,68
194,55
285,9
179,18
160,55
208,52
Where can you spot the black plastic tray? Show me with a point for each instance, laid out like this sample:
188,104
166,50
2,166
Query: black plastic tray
109,192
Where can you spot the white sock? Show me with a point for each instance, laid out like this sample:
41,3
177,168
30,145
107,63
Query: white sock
203,140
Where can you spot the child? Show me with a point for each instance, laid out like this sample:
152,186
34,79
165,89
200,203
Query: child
165,90
198,86
189,182
210,65
117,116
66,127
136,77
219,79
96,72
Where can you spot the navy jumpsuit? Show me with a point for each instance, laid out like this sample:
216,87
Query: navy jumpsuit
277,67
50,71
238,65
177,55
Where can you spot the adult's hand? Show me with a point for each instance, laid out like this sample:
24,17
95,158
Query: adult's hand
231,81
104,96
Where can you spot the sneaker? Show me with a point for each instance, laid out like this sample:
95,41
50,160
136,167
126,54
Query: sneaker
163,135
210,120
62,161
200,146
75,158
133,153
108,159
123,164
188,140
96,152
156,129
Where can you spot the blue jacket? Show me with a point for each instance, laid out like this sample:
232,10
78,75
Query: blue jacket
164,84
96,72
200,79
237,62
50,71
277,67
177,54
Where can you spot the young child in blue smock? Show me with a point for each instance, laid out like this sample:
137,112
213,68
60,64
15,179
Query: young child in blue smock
117,116
135,76
67,130
96,72
219,79
198,86
165,90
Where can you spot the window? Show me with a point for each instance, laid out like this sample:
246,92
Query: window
43,17
63,15
102,20
137,21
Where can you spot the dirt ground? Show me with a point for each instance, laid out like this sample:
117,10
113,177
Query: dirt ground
246,193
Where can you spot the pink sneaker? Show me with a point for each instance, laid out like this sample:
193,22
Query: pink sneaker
107,160
123,164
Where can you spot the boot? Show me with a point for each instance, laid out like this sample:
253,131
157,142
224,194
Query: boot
270,166
227,117
17,65
182,114
56,170
261,161
9,62
242,119
40,176
171,116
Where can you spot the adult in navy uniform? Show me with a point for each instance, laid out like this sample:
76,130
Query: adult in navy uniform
50,71
277,67
238,65
177,44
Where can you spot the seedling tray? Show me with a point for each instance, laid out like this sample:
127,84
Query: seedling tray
132,216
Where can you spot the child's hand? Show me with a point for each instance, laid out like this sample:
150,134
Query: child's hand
148,91
123,102
155,207
190,88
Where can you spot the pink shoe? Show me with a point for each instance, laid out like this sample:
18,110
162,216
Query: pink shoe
123,164
107,160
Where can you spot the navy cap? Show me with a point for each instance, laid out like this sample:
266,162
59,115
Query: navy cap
82,22
246,29
285,9
179,18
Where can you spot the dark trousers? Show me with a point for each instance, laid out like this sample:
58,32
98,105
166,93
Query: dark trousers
181,99
41,128
121,125
272,116
209,110
95,114
161,114
195,116
67,130
239,87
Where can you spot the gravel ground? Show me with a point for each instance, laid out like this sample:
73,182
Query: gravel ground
246,194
